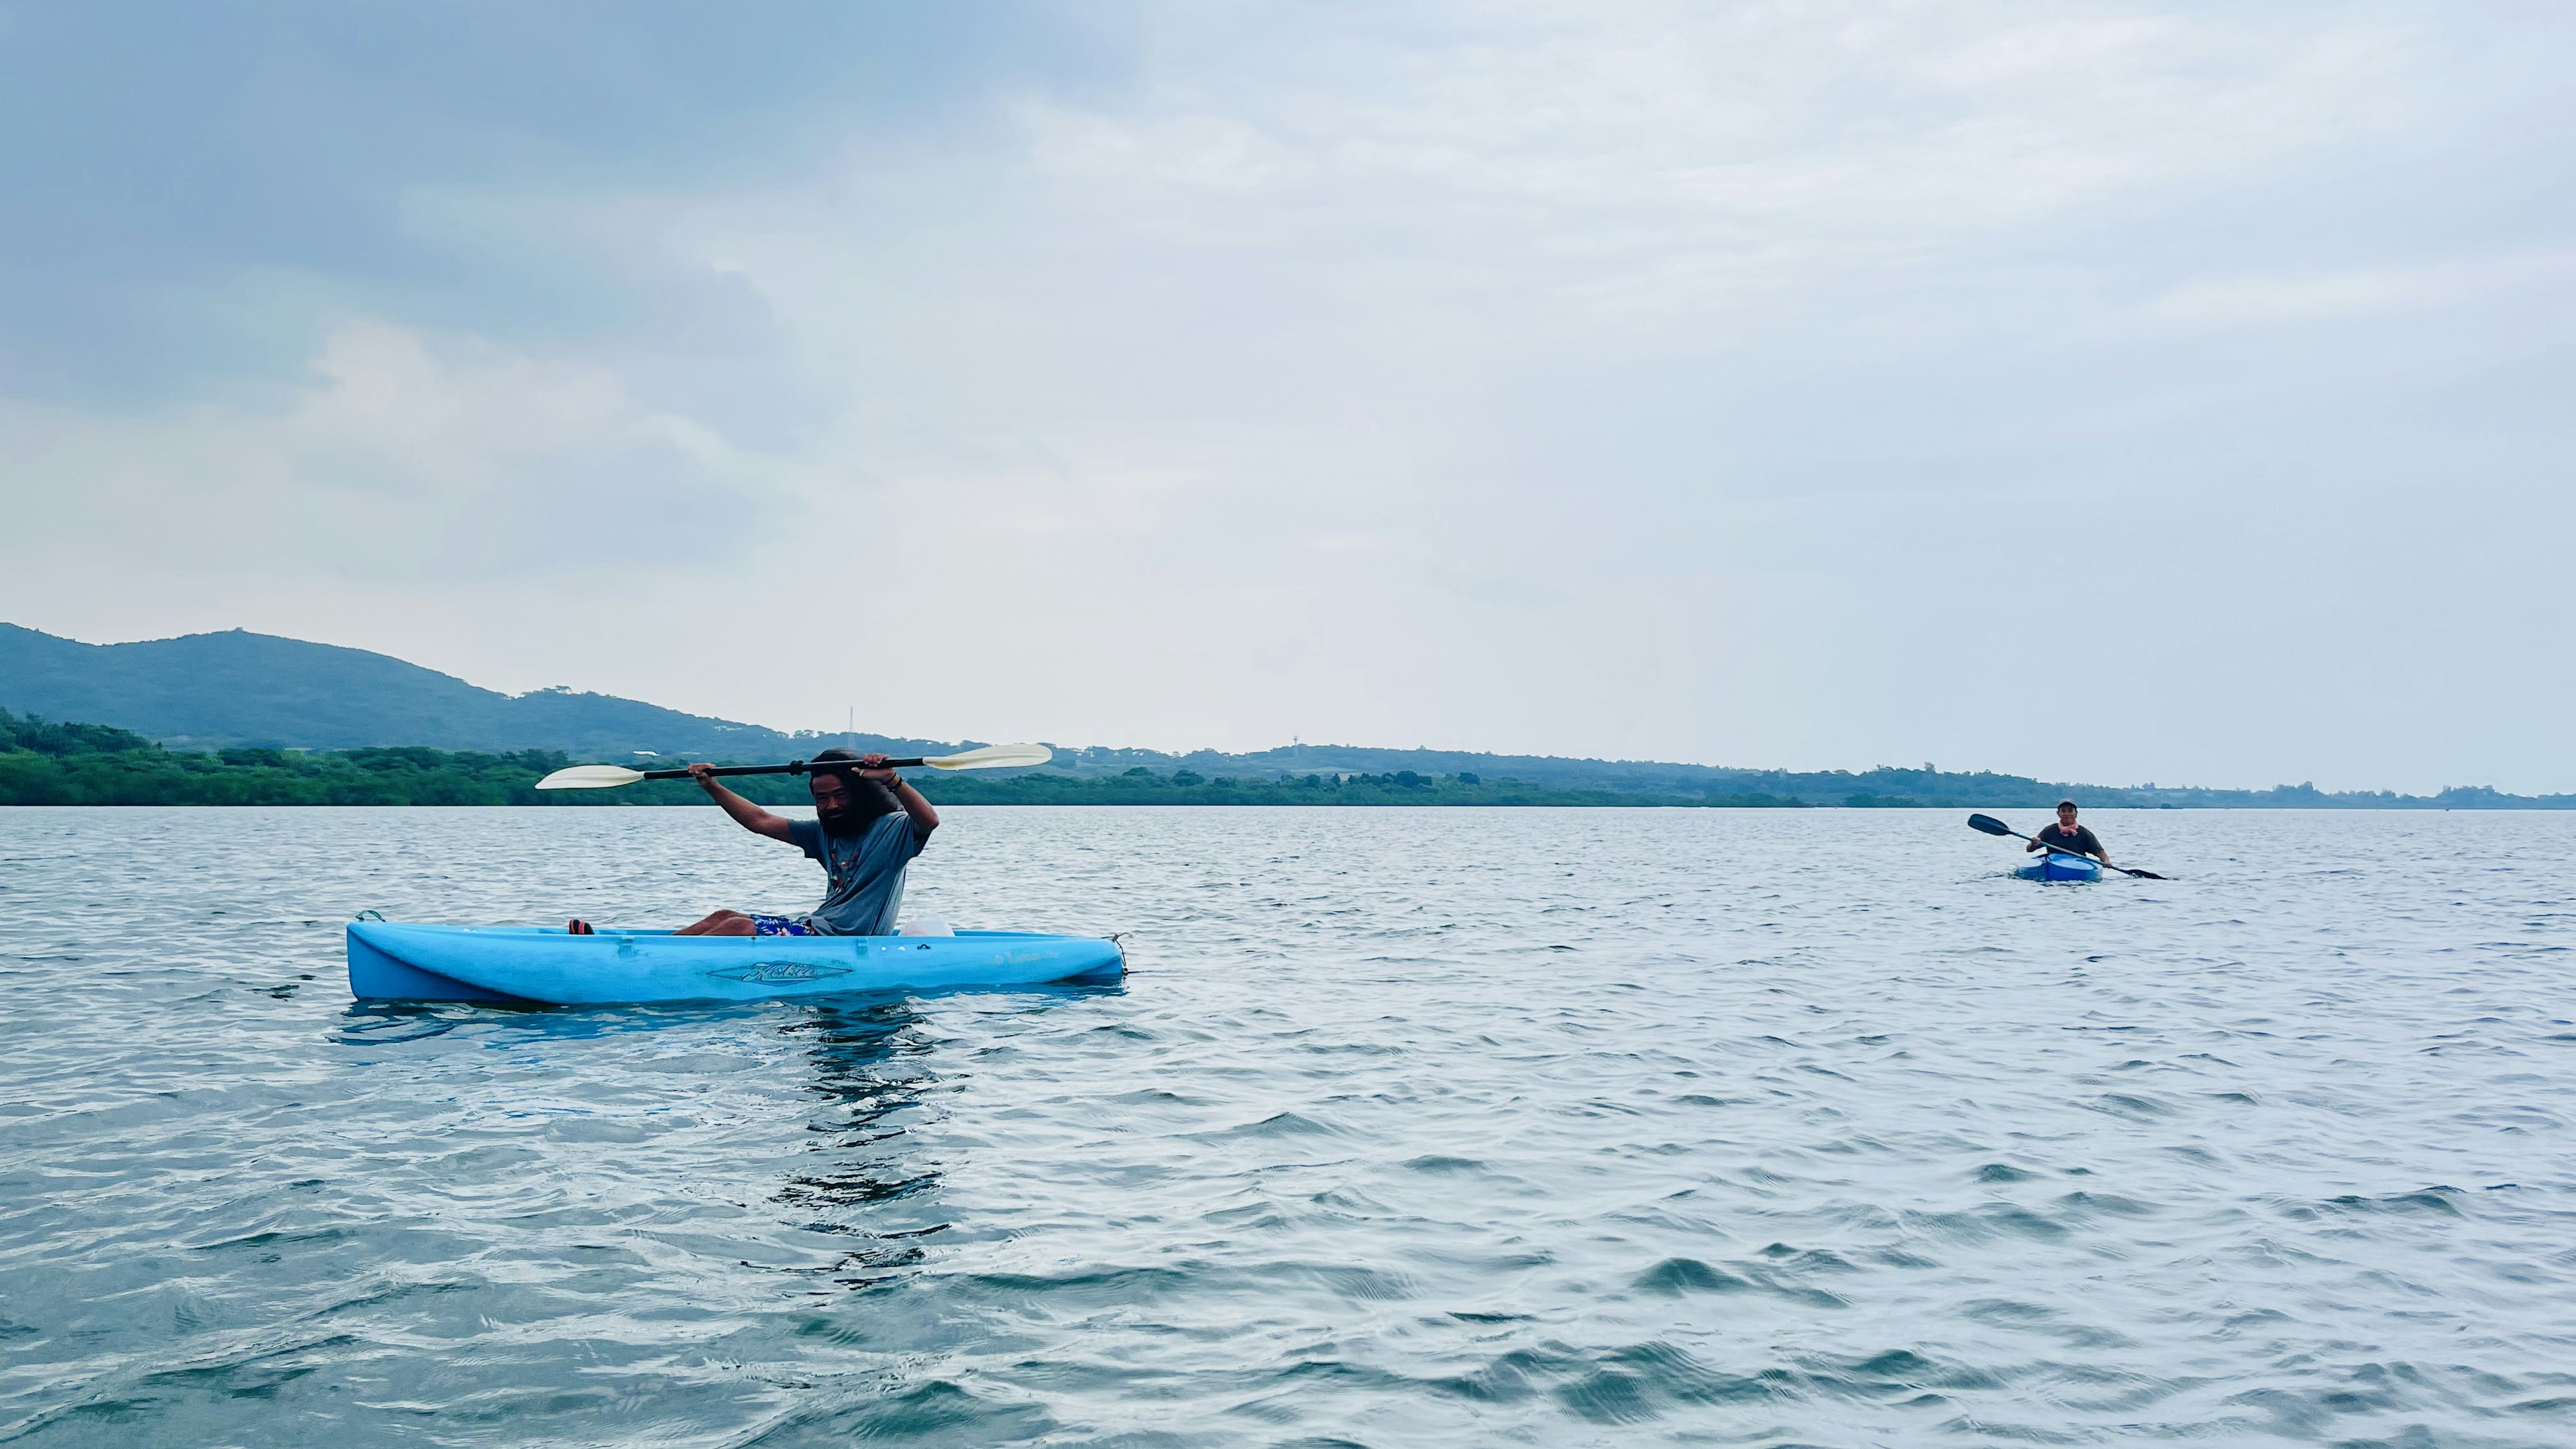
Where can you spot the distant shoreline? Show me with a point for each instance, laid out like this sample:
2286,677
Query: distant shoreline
431,779
1340,806
47,763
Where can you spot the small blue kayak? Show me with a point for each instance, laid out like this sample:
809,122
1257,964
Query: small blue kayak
391,960
2058,865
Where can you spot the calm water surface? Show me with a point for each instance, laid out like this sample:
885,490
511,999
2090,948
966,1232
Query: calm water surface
1443,1127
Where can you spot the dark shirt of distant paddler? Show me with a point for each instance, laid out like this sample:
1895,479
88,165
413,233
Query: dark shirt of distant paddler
2081,838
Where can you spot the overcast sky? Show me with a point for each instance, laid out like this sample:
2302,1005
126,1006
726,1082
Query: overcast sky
2114,393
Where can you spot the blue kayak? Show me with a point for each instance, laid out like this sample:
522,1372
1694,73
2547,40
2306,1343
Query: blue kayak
391,960
2058,865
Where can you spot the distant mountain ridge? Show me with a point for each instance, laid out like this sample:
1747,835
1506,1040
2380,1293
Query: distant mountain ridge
238,689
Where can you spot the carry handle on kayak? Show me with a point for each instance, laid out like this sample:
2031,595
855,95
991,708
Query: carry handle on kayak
1992,826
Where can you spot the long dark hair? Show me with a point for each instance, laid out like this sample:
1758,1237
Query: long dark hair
868,799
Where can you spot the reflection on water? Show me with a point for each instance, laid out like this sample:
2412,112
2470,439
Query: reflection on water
871,1069
390,1023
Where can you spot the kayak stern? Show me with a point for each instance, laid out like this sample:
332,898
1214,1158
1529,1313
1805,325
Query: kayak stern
377,975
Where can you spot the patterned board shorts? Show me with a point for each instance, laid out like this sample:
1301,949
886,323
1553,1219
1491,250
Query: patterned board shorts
779,926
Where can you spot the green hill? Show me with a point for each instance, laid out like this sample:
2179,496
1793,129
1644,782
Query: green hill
218,691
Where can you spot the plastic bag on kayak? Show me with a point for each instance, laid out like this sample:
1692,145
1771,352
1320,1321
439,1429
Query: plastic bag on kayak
925,923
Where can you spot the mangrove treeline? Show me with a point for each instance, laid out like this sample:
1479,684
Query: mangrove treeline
46,763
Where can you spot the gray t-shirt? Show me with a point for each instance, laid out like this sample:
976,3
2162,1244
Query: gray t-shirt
866,871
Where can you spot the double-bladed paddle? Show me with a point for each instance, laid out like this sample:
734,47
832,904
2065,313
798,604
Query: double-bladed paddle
1992,826
991,757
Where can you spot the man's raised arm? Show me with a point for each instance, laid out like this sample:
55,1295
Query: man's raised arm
924,819
747,815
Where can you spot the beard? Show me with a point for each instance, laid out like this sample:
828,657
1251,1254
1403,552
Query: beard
869,802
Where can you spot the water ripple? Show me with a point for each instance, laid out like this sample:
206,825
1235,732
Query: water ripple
1410,1127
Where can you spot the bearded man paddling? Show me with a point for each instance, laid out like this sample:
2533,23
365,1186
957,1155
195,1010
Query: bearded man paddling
868,825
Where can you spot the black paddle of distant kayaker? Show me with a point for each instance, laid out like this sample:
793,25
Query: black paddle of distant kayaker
1992,826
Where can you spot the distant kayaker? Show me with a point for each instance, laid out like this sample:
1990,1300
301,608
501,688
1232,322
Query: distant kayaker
868,825
2067,835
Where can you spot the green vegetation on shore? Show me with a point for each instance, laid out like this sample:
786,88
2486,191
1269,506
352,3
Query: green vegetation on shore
81,764
44,763
1140,786
235,702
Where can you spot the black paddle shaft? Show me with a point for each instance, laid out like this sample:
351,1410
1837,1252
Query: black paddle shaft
792,767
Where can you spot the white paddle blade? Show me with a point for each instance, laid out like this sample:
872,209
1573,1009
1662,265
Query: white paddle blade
994,757
590,777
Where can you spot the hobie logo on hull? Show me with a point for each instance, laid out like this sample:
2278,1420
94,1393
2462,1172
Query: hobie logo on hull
773,971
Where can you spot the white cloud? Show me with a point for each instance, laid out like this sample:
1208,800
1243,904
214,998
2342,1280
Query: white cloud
2257,301
1674,166
398,458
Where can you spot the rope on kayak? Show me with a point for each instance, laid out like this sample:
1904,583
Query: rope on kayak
368,915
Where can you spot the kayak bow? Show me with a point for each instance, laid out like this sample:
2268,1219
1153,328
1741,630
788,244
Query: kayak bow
2058,865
